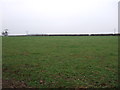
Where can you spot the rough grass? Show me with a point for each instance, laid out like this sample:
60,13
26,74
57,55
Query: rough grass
61,61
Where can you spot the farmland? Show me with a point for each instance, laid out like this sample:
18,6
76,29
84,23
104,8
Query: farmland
60,61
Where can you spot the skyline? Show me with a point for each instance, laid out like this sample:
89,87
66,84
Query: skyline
54,16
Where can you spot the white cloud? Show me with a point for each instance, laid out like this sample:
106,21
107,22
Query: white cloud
60,16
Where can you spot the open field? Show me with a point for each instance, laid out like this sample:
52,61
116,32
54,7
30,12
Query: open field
60,61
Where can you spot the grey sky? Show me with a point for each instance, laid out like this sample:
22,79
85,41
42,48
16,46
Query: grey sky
59,16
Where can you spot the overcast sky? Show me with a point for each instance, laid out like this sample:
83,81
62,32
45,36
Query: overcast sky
59,16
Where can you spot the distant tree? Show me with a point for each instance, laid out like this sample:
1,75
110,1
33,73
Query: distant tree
5,32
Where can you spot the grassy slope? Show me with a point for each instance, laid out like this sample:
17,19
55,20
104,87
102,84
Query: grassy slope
67,61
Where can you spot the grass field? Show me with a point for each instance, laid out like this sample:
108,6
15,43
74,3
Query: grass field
60,61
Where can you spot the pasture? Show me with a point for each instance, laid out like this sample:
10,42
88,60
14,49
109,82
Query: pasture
60,61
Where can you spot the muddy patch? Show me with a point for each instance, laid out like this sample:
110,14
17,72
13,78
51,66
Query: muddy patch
14,84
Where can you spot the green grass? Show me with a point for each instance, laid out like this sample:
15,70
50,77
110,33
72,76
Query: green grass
62,61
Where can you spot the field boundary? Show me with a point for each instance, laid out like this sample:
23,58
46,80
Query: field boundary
68,35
